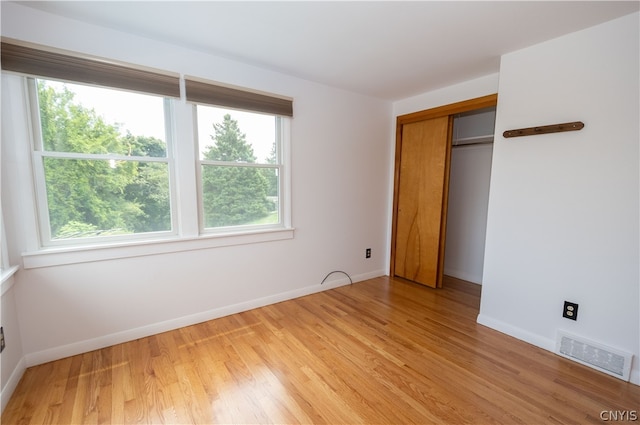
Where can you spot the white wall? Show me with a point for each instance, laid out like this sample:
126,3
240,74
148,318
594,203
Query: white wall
12,365
457,93
467,212
563,219
341,159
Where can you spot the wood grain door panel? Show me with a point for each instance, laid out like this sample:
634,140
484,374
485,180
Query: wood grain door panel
422,195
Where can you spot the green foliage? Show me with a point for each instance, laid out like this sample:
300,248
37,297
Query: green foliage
150,188
270,174
233,194
92,197
88,197
230,143
76,229
70,127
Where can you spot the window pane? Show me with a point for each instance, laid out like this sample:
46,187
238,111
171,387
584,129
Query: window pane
236,195
236,136
89,198
86,119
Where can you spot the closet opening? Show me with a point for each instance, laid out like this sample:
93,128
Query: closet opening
470,172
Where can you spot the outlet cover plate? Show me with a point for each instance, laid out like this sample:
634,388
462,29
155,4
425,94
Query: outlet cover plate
570,310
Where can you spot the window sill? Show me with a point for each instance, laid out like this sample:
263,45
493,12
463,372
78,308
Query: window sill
84,254
5,283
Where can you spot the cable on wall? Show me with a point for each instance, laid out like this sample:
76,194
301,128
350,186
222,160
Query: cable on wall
336,271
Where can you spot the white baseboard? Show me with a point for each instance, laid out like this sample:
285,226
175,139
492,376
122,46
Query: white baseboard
505,328
544,343
56,353
635,371
12,383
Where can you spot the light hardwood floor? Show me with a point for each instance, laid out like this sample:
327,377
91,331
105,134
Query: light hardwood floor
379,351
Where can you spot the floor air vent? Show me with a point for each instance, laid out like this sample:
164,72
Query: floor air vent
605,359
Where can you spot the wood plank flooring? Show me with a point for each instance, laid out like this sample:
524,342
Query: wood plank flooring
383,351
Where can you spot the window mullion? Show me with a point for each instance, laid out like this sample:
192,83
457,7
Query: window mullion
184,145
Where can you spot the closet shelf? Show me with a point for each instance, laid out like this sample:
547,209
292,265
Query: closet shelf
475,140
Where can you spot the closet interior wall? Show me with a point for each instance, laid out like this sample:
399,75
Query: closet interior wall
471,154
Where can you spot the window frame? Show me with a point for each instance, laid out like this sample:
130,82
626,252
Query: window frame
282,144
39,153
186,234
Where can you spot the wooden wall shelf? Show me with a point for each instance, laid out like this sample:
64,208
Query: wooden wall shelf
545,129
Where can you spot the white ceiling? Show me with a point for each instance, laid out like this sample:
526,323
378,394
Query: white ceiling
385,49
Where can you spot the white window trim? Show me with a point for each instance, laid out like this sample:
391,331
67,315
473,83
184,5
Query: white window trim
283,131
39,153
6,270
6,282
90,253
187,236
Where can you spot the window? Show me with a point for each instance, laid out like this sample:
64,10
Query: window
101,160
117,157
240,165
242,154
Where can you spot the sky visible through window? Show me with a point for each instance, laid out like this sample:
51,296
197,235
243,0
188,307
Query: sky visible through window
258,128
135,112
138,114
